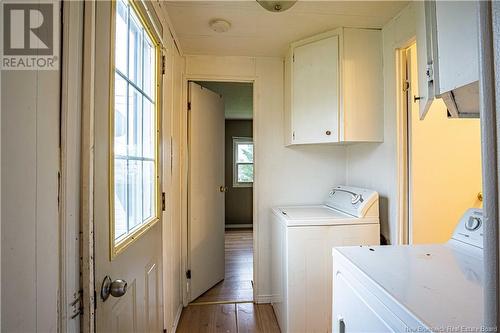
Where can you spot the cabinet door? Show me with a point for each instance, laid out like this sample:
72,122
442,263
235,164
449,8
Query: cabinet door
425,18
315,91
457,42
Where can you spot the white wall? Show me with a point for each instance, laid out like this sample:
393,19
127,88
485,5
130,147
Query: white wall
29,221
374,165
298,175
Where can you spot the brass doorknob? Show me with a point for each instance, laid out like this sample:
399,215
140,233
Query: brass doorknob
223,189
480,196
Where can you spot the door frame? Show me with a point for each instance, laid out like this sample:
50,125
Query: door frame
185,173
87,320
403,127
70,297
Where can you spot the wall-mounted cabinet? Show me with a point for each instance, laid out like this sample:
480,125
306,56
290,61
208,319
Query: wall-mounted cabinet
448,56
334,88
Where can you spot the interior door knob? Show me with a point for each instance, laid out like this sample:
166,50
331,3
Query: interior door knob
116,288
223,189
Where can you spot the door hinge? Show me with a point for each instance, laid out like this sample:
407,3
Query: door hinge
188,274
293,135
406,85
189,106
163,201
163,64
293,57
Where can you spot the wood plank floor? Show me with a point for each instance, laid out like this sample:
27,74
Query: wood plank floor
237,285
235,317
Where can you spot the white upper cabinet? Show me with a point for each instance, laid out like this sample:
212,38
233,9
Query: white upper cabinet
334,88
448,56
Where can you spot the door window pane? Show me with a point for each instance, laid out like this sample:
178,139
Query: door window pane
148,189
134,145
120,116
135,49
120,200
134,122
149,66
148,126
134,193
121,33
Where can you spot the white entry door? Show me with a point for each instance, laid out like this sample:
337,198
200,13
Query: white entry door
206,189
127,225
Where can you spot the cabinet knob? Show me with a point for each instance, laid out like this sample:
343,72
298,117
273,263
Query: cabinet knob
328,132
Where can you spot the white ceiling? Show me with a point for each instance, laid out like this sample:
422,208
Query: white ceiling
257,32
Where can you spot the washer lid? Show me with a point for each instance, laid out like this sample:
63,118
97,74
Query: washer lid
312,213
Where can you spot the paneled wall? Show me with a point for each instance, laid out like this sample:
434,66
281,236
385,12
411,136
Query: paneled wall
29,218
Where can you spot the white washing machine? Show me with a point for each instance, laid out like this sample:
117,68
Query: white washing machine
419,288
301,244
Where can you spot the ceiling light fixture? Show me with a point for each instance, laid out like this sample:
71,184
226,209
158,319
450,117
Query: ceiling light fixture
276,6
220,25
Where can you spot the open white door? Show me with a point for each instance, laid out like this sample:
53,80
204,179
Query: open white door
127,226
206,189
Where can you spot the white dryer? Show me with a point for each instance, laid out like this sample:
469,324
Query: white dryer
419,288
301,244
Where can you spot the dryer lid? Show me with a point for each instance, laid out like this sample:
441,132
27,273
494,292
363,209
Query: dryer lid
352,200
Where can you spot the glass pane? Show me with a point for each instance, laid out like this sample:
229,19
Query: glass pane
245,173
134,194
120,200
148,182
245,153
134,123
121,37
149,67
120,143
135,50
148,130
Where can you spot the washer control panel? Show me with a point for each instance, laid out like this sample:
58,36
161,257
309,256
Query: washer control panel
473,223
470,228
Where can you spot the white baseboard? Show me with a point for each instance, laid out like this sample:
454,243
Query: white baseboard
177,318
239,226
263,299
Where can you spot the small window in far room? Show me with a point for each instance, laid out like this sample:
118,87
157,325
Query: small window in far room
242,162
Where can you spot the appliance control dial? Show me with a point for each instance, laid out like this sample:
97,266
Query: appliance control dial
473,223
